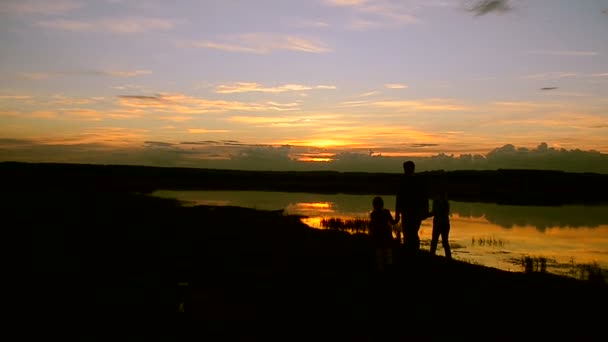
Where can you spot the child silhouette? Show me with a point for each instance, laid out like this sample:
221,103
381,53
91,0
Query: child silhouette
441,223
382,233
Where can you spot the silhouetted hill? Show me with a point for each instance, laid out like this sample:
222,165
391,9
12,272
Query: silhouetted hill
499,186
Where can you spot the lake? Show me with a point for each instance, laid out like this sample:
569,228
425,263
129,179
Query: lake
489,234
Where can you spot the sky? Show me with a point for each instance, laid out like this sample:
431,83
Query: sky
296,84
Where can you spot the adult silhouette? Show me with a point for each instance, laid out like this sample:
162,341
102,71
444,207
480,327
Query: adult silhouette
412,206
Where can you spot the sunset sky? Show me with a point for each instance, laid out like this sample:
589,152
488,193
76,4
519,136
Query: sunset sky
91,80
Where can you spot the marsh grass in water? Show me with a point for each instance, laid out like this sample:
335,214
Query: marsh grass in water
489,241
588,271
355,225
591,272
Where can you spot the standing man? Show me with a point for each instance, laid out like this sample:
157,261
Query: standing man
412,206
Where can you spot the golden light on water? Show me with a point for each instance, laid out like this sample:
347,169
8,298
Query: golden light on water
315,205
315,159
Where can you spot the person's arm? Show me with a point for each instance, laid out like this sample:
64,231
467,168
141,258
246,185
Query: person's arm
398,207
390,217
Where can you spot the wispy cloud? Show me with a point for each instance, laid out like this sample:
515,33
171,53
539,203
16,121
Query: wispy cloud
15,97
310,24
107,136
112,25
605,74
483,7
245,87
38,7
183,104
369,93
374,14
550,75
426,105
346,2
395,86
310,119
524,106
262,43
176,118
111,73
573,53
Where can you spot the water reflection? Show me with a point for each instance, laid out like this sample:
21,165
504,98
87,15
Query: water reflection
490,234
542,218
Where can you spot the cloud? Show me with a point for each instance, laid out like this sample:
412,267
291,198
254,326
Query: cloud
423,145
112,25
129,87
262,43
605,74
483,7
158,143
550,75
395,86
176,118
376,14
421,105
205,131
573,53
108,136
328,87
15,97
274,121
184,104
310,24
38,7
123,146
245,87
369,93
346,2
110,73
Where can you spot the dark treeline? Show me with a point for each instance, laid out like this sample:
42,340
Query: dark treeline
499,186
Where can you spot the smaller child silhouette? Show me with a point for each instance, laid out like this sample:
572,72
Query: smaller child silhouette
382,233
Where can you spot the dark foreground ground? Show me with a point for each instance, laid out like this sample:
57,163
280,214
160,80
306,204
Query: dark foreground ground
106,259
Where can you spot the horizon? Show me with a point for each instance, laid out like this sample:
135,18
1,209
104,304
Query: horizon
300,85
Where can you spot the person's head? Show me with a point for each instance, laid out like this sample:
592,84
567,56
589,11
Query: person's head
409,167
378,203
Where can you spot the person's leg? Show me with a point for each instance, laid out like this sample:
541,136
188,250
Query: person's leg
445,241
415,235
434,239
406,227
379,259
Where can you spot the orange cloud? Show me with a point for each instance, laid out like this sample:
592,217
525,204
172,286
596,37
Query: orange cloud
205,131
106,136
395,86
422,105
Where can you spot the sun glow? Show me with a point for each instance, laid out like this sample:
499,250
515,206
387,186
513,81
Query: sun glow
315,159
322,143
